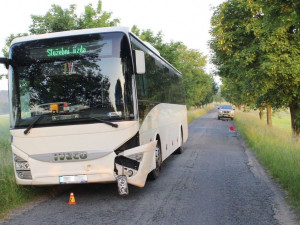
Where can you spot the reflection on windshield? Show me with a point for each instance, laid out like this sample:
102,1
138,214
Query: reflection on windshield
55,91
226,107
71,90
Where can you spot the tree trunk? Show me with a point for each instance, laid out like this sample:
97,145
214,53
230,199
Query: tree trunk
295,112
261,113
269,115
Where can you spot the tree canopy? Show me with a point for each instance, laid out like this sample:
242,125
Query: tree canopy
58,19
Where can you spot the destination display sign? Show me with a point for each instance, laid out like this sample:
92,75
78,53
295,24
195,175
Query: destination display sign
52,52
98,48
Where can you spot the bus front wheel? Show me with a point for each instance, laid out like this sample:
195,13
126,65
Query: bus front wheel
158,159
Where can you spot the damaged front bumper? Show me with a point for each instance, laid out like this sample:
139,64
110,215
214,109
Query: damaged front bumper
136,163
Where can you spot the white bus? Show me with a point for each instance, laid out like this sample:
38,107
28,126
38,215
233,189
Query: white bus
91,106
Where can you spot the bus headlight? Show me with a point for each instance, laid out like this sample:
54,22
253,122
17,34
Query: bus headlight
22,168
137,157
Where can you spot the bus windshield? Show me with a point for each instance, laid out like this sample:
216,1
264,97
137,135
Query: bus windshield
71,80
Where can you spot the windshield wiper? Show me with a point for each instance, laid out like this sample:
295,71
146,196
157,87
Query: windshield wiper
106,122
27,131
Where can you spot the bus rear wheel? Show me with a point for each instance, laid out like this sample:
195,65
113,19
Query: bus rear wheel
179,150
158,159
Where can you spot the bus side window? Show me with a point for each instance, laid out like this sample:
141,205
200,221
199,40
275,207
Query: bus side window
141,83
151,86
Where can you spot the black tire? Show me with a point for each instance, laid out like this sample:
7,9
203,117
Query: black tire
218,118
153,175
180,149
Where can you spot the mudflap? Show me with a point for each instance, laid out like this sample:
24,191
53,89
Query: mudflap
145,166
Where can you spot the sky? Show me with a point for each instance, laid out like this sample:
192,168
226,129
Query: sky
187,21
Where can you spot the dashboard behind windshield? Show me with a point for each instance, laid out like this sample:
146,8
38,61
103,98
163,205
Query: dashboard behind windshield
71,79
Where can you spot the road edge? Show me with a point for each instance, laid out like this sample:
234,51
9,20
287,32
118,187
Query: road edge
283,213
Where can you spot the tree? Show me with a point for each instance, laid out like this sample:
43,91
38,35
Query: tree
278,30
58,19
199,85
235,52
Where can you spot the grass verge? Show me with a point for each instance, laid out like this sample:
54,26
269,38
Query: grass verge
280,119
11,195
276,150
194,114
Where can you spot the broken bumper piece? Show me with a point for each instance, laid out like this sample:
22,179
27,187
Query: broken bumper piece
135,164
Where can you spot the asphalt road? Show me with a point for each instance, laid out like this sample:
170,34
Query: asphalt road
215,181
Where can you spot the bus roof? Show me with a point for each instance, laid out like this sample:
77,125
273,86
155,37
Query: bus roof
70,33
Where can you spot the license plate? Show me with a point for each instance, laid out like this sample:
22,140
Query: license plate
73,179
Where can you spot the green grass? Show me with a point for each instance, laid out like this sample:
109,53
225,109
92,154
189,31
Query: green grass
11,195
195,113
275,148
281,120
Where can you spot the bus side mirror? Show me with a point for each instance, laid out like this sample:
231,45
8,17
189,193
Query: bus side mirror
140,64
4,61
